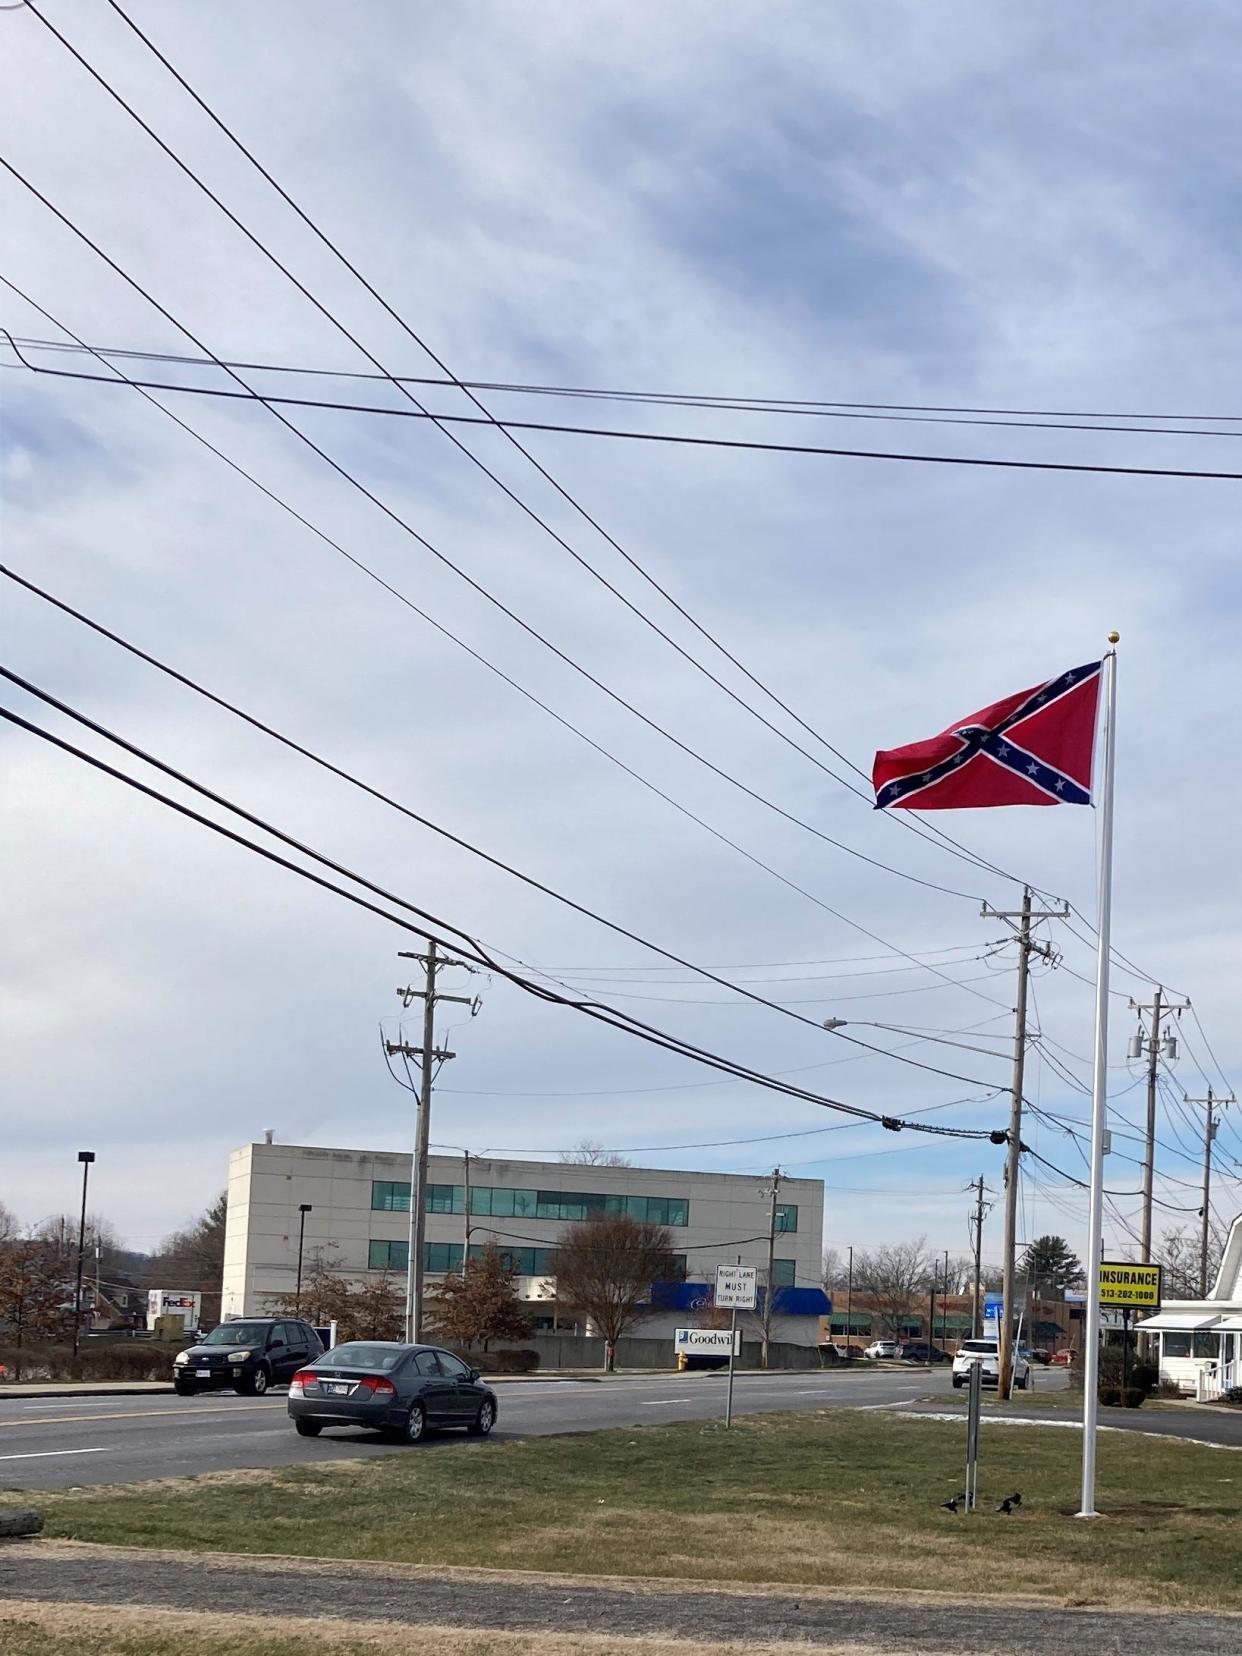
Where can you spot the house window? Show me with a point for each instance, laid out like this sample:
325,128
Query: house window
783,1273
1176,1345
787,1216
1205,1344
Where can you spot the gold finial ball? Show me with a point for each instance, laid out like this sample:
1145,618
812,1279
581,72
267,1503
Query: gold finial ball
1114,637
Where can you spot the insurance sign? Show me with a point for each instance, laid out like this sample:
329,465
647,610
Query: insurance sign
1132,1287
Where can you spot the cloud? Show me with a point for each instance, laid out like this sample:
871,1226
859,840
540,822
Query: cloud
872,204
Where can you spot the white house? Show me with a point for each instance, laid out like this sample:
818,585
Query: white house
1201,1340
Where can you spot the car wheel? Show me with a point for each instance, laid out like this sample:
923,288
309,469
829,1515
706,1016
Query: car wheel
1020,1385
183,1388
256,1384
957,1382
416,1425
308,1428
483,1422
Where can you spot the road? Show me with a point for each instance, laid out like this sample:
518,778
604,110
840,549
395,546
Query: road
78,1441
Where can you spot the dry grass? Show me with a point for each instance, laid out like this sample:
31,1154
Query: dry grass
31,1628
837,1501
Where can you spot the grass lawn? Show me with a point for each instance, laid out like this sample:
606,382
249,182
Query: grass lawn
846,1500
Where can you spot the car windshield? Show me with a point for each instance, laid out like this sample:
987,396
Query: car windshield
238,1334
986,1348
359,1355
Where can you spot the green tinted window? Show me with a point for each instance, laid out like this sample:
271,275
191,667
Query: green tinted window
783,1273
787,1216
390,1196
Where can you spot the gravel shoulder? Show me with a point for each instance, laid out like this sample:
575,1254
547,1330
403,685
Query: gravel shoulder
339,1595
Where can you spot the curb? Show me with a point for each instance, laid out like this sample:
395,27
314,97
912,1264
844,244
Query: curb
152,1388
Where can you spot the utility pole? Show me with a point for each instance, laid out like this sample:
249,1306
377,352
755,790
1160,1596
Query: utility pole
1026,948
769,1295
465,1235
429,1057
1210,1124
976,1314
849,1307
1153,1048
944,1305
86,1157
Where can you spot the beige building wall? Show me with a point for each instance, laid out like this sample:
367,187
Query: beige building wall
727,1215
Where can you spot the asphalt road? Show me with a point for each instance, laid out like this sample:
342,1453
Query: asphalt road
76,1441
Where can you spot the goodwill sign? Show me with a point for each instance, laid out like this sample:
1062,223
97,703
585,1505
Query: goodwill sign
706,1342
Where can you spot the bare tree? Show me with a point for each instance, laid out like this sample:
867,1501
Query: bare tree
1178,1252
481,1304
8,1224
894,1280
605,1267
832,1273
590,1153
372,1311
194,1258
36,1297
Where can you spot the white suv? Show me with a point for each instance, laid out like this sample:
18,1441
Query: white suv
883,1348
987,1354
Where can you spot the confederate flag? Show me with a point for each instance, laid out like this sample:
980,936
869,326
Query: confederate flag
1033,748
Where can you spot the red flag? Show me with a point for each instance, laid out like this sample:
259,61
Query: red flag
1032,748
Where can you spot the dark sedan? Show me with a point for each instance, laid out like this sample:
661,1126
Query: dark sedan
920,1351
402,1390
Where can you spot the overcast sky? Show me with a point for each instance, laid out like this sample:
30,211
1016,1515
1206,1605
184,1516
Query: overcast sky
881,203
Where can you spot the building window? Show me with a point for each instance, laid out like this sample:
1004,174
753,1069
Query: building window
783,1273
495,1203
1205,1344
787,1216
387,1256
524,1261
390,1196
446,1198
1176,1345
570,1206
441,1256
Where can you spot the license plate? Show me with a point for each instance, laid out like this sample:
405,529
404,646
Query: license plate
338,1388
202,1374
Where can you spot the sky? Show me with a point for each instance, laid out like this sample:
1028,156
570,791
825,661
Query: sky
868,203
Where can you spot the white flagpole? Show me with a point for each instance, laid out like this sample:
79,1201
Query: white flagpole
1099,1094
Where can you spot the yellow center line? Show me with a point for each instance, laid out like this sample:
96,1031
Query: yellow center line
132,1414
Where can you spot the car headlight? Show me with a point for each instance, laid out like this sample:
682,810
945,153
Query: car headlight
182,1357
238,1356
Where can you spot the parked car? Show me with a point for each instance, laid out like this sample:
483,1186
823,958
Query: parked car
250,1355
883,1348
1065,1357
403,1390
987,1354
1041,1355
919,1351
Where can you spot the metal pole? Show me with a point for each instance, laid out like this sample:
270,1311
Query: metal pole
976,1321
1004,1378
86,1157
465,1239
944,1305
1099,1096
931,1319
849,1308
732,1345
303,1209
1149,1150
418,1191
974,1399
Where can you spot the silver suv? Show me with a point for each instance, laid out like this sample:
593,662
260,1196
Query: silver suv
987,1354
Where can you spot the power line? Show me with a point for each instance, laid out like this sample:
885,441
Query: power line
474,654
599,1011
684,439
684,399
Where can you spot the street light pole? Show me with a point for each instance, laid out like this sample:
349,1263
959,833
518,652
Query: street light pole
86,1157
303,1209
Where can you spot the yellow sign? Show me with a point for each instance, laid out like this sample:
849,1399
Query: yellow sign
1135,1286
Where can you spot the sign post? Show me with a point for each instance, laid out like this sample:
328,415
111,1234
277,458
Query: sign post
974,1404
736,1290
1128,1288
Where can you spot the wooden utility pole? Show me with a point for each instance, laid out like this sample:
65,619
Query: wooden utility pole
429,1059
769,1293
1210,1124
1153,1047
1025,949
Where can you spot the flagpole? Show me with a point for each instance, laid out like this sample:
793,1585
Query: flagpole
1099,1094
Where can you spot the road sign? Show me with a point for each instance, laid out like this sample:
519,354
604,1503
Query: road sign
1129,1287
993,1309
737,1287
708,1342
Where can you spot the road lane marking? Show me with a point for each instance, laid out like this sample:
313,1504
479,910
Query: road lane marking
133,1414
46,1454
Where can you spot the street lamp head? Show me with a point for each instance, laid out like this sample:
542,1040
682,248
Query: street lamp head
835,1023
304,1207
86,1155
